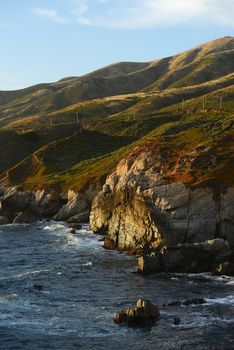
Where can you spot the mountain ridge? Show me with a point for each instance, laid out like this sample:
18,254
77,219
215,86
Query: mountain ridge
126,102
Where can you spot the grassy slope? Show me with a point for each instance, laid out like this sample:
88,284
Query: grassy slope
35,154
88,156
202,64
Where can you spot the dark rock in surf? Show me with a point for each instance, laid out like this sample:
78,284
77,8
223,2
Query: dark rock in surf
38,287
226,268
194,301
75,225
142,313
176,321
71,230
186,257
26,217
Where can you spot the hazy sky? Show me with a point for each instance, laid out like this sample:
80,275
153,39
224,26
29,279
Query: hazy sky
45,40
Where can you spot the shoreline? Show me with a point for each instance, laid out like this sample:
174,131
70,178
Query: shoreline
213,255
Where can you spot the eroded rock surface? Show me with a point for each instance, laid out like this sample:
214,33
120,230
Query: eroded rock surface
142,313
26,207
141,205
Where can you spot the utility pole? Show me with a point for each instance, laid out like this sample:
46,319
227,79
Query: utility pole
77,118
51,121
204,104
183,106
221,103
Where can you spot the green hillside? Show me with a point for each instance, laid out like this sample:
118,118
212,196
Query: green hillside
73,133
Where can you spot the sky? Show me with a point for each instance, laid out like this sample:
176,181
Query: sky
46,40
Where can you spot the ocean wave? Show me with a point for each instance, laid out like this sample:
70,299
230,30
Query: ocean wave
31,273
228,300
88,264
54,227
201,321
8,297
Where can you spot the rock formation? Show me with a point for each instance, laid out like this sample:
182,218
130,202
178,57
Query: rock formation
27,207
76,209
142,313
179,226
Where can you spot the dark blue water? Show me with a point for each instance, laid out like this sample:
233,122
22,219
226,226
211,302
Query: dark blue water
84,285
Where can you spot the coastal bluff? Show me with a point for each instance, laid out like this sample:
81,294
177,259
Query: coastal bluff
178,225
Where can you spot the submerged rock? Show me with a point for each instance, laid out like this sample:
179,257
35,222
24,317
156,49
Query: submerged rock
71,230
176,321
194,301
38,287
143,313
75,225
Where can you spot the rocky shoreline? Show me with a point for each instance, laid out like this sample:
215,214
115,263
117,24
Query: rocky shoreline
27,207
178,227
155,254
170,225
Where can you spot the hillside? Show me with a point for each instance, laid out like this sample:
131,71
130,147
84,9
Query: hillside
73,132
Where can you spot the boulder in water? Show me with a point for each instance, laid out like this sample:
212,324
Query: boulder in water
38,287
75,225
176,321
142,313
71,230
26,217
194,301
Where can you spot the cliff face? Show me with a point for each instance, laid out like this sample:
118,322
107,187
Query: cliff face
149,201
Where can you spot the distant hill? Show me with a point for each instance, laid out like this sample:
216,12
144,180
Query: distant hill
75,130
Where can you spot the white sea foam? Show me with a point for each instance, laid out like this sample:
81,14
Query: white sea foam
8,297
54,227
31,273
228,300
88,264
201,321
231,282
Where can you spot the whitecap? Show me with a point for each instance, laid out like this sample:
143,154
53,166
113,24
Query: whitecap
228,300
31,273
8,297
231,282
88,264
54,227
201,321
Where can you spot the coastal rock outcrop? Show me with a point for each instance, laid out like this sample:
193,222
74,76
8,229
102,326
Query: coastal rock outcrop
142,313
16,204
226,268
187,257
148,202
26,207
77,208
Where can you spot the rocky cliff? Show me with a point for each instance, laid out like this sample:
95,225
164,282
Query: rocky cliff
26,207
153,202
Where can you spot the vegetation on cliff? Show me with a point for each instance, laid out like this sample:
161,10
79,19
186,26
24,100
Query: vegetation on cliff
74,132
